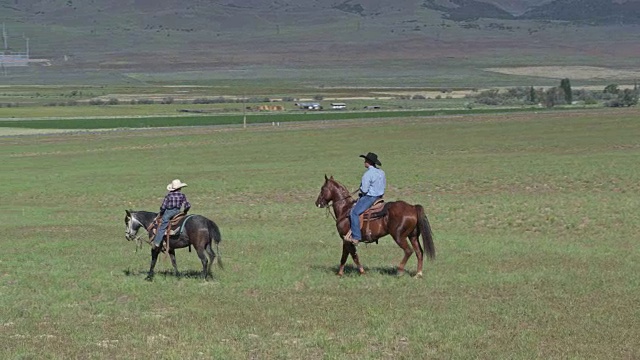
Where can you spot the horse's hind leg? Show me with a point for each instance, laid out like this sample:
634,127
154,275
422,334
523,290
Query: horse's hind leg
415,243
212,256
204,260
404,244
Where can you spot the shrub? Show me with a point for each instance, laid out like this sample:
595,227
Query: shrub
628,97
590,101
259,100
611,89
613,103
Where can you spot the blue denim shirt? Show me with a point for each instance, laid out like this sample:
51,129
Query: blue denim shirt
373,182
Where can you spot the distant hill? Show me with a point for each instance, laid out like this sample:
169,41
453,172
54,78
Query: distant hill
588,11
87,12
185,35
583,11
465,10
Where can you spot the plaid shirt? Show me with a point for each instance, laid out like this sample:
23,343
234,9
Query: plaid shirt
174,200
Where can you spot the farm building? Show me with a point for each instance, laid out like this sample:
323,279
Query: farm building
10,58
309,106
14,59
338,106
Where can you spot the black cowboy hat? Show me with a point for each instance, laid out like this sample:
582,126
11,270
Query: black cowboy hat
372,158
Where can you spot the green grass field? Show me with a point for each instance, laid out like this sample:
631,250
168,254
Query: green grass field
534,217
128,122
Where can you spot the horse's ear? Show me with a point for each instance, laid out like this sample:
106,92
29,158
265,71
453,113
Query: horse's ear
325,177
128,212
331,177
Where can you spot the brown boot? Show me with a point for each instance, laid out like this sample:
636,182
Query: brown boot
348,238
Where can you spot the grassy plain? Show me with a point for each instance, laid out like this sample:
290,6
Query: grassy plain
534,218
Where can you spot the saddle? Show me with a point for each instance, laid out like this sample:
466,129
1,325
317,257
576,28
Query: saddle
174,228
377,211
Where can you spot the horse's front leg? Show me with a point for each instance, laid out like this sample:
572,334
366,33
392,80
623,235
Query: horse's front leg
343,259
349,249
154,259
355,257
172,255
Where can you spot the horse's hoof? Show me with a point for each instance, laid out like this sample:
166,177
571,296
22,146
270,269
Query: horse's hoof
361,271
339,274
418,275
400,273
149,278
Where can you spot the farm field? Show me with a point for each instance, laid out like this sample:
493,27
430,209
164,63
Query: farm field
534,217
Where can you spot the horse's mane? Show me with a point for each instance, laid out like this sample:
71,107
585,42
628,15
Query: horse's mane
343,190
143,215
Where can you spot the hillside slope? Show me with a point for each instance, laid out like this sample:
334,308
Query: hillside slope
588,11
174,35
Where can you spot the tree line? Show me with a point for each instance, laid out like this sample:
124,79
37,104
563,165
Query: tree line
611,95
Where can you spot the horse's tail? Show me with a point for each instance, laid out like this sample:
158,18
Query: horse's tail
215,237
425,231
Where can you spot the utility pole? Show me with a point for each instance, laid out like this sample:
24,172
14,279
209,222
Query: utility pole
244,112
4,38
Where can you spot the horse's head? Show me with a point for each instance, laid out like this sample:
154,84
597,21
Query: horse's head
131,224
330,191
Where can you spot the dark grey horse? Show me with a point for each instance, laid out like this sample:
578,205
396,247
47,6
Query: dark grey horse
197,231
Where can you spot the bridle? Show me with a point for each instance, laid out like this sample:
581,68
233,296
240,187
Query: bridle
135,237
334,202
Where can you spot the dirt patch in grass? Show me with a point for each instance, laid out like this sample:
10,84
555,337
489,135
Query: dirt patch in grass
429,94
22,131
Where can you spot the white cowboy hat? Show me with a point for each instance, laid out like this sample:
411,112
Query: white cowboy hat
175,185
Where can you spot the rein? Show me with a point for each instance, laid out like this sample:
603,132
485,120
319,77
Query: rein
329,203
138,241
138,238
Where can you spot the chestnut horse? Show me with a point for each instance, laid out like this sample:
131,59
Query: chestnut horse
402,220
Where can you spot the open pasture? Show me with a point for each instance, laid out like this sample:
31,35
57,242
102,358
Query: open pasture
534,216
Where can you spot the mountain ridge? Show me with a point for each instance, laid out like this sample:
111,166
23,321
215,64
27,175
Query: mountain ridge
459,10
173,35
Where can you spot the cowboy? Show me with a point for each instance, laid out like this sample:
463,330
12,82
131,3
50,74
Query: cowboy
372,188
170,207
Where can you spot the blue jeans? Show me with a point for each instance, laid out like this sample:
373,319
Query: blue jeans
361,206
166,217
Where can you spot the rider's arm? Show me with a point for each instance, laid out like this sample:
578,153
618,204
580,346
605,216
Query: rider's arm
163,207
365,184
187,204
